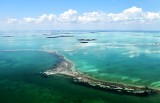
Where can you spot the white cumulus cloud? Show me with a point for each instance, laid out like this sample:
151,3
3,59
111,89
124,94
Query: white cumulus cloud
130,16
68,16
92,17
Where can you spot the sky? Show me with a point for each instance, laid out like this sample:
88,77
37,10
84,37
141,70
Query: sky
79,14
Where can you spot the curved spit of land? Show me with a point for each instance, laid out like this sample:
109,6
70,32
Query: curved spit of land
64,68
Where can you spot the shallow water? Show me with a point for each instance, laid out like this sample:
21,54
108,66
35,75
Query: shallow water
125,57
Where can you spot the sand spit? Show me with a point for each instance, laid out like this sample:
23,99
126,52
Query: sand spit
64,68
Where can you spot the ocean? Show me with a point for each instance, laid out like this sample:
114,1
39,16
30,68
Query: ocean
126,57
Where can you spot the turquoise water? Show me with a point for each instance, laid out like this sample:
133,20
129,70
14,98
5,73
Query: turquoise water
125,57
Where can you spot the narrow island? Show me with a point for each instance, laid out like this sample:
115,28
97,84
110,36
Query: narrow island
65,68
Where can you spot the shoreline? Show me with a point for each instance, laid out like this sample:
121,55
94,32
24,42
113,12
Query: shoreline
65,67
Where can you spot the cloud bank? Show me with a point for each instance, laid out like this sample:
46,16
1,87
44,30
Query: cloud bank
131,18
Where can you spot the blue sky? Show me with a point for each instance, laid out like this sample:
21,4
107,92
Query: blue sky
81,14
